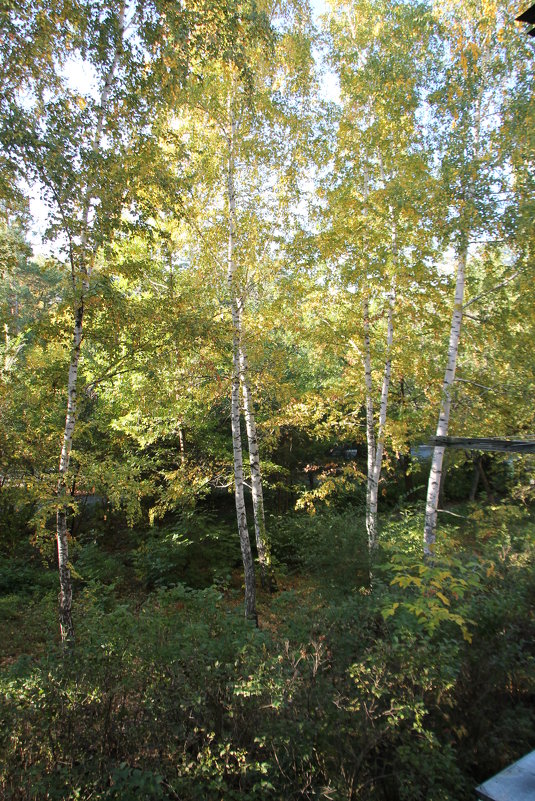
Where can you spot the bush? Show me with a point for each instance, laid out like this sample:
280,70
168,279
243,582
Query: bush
191,549
418,689
332,545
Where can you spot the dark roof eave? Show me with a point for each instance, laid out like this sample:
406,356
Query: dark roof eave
527,16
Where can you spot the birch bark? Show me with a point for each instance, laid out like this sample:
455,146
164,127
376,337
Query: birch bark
243,531
65,595
256,475
380,440
370,425
181,446
433,488
241,514
376,443
83,268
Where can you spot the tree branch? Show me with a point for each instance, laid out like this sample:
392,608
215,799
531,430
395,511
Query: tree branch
493,289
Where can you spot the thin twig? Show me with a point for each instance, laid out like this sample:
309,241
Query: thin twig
453,514
493,289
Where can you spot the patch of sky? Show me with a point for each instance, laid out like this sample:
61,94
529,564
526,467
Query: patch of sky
328,80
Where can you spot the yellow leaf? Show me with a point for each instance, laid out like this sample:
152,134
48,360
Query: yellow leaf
443,598
389,612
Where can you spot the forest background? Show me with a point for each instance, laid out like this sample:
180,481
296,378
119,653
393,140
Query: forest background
281,253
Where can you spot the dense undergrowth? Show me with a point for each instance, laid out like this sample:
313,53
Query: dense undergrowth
414,688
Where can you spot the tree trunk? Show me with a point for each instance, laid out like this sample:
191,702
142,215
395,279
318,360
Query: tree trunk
371,521
488,489
182,446
241,514
435,475
475,478
378,461
65,595
376,444
256,476
404,459
243,531
81,269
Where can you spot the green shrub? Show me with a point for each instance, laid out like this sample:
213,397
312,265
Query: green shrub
416,689
332,545
192,549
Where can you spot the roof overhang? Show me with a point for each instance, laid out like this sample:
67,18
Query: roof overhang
528,16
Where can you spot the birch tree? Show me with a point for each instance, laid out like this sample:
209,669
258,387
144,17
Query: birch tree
238,375
228,117
382,53
88,146
468,110
236,171
375,445
59,143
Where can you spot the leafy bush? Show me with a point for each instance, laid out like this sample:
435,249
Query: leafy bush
190,549
416,689
92,563
24,577
329,544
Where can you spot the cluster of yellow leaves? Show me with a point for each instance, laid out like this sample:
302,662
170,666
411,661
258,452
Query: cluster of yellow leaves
432,592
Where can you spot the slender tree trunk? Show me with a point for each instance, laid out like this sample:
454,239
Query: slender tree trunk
376,444
405,458
435,475
488,489
371,523
65,595
475,478
181,445
243,531
81,269
241,514
6,349
378,460
256,476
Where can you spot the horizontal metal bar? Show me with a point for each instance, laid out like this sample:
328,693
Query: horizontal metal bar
485,444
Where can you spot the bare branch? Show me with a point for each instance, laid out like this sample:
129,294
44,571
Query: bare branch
493,289
474,383
477,319
453,514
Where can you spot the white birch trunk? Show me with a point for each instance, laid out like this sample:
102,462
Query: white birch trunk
182,446
256,476
243,531
433,488
373,480
376,443
380,439
84,269
241,514
65,595
370,426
